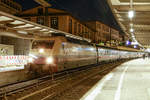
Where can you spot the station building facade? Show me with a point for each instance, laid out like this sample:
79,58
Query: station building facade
102,31
11,45
64,21
10,6
58,19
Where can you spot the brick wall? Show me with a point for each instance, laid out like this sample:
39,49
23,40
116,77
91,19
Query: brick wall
10,6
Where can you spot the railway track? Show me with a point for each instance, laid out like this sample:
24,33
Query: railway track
20,86
44,88
69,94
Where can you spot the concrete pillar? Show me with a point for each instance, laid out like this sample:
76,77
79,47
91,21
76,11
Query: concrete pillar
21,46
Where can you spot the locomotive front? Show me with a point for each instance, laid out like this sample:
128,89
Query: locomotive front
41,57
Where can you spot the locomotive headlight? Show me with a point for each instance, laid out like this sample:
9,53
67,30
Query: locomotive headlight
49,60
41,50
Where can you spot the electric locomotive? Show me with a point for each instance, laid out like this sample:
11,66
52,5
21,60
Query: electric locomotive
60,53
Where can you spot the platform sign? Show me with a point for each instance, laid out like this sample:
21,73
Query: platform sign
13,60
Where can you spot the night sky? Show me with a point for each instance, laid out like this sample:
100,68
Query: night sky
85,10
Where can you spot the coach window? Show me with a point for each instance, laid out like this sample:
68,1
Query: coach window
83,30
2,0
54,22
5,1
79,28
86,32
10,4
106,52
75,27
89,34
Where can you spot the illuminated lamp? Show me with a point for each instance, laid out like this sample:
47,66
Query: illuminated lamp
127,42
131,14
135,46
131,30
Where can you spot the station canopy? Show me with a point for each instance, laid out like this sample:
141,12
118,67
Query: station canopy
138,27
17,27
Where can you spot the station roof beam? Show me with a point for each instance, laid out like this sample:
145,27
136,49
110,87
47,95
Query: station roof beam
10,25
141,22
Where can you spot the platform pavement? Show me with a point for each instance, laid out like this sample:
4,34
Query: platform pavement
13,74
129,81
11,68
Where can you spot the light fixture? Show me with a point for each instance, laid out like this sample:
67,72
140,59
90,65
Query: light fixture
51,31
131,24
34,28
134,43
24,26
131,14
133,36
44,30
4,18
135,46
22,32
131,30
127,42
17,22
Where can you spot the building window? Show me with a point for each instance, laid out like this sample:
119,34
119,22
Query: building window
70,25
2,1
89,35
83,30
40,11
86,33
54,22
99,26
40,20
75,27
79,28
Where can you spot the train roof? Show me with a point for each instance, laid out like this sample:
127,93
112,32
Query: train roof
74,40
85,42
73,37
121,48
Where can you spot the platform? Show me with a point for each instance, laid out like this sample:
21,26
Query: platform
12,74
11,68
129,81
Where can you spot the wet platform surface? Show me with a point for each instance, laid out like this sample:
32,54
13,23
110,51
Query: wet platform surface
11,68
12,74
129,81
